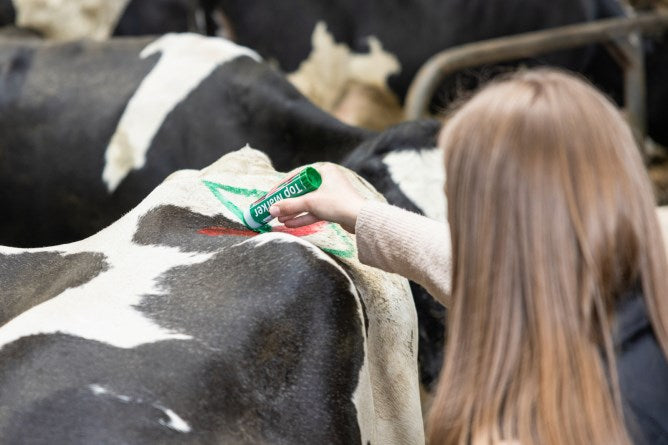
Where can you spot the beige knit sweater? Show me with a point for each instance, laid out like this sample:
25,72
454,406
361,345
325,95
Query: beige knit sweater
406,243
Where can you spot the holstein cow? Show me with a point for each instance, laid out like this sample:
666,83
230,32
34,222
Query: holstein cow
412,32
408,33
90,128
177,325
99,19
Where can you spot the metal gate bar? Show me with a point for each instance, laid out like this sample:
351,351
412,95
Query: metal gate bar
621,33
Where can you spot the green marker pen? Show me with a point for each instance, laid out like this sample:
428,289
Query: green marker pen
307,180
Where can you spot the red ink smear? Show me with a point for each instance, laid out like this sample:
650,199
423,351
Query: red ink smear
301,231
298,231
224,231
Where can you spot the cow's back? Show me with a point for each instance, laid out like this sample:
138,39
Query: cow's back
177,324
271,349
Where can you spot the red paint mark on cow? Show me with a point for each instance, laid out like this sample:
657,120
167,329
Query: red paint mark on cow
224,231
301,231
298,231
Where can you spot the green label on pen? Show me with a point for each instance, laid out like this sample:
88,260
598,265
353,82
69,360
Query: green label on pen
305,181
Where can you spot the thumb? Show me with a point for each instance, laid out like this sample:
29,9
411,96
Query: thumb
288,207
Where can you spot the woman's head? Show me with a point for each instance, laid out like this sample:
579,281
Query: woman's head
552,221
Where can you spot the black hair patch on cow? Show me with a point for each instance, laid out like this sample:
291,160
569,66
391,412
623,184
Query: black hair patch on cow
174,226
7,12
31,278
411,135
431,335
62,389
14,67
284,339
79,416
156,17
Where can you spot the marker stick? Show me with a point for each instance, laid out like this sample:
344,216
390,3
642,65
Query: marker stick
307,180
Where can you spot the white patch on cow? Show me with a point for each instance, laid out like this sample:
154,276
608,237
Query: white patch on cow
420,174
174,421
105,308
331,68
70,19
185,61
97,389
100,390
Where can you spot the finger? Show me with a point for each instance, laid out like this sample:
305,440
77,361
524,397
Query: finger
284,218
290,206
300,221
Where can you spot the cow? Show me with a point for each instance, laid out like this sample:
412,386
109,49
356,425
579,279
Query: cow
176,324
90,128
100,19
412,32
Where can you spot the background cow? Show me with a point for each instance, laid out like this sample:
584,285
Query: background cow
412,32
177,325
88,129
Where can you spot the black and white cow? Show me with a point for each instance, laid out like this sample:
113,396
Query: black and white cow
87,129
414,31
177,325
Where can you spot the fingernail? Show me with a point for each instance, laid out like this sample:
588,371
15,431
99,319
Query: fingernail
274,211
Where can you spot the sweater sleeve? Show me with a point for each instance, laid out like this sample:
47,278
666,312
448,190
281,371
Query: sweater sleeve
408,244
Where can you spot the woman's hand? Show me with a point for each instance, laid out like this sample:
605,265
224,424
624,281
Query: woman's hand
336,200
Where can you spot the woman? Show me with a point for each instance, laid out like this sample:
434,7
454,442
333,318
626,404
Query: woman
558,263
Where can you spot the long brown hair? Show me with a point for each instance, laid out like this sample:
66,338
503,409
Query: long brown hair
552,220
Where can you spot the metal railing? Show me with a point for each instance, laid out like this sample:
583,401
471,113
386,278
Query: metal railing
621,36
